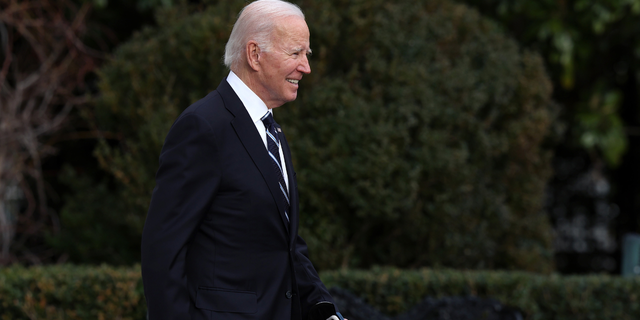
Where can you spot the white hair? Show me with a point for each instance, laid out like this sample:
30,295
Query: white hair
255,22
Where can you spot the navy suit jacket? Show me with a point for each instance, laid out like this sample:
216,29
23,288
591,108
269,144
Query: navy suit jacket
216,243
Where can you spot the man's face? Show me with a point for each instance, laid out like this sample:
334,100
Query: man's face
284,65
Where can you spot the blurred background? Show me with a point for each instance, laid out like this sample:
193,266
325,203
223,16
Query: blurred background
479,134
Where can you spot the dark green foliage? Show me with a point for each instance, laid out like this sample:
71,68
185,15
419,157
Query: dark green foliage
71,292
540,297
418,142
102,232
592,51
75,292
417,138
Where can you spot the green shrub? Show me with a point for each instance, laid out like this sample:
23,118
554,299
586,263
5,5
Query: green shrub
71,292
540,297
91,218
417,138
75,292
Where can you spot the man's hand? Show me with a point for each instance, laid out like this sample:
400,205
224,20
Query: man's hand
324,311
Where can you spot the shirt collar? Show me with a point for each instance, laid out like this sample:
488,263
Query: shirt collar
254,105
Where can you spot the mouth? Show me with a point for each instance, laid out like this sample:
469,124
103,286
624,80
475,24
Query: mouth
293,81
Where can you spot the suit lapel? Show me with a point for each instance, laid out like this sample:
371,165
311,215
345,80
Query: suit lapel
246,131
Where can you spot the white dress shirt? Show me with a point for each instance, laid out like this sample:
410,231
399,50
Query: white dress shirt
256,109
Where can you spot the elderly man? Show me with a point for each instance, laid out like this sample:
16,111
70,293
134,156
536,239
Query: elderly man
221,236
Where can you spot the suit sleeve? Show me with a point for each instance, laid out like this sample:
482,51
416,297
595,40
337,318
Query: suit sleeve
311,289
186,182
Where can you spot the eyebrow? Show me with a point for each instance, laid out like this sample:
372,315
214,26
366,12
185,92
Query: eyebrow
297,50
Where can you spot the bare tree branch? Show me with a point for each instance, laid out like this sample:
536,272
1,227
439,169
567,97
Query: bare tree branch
42,70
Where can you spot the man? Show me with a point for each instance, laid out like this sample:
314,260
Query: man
220,240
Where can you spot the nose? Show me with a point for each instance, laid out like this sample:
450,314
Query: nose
304,66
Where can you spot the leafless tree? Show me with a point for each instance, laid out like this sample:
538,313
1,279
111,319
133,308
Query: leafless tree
44,64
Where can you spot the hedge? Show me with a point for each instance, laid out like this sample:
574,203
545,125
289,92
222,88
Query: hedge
540,297
71,292
78,292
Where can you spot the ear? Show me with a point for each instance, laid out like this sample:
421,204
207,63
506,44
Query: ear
253,55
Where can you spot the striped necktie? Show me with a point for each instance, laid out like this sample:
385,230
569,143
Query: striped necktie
273,146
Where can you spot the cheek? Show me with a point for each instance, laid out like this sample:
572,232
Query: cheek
276,72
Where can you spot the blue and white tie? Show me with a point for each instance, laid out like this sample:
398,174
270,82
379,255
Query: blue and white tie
273,145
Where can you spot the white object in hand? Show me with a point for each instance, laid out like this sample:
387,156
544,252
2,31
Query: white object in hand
333,318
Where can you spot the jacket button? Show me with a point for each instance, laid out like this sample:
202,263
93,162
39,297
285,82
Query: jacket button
288,294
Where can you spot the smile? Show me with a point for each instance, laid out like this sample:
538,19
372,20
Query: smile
293,81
